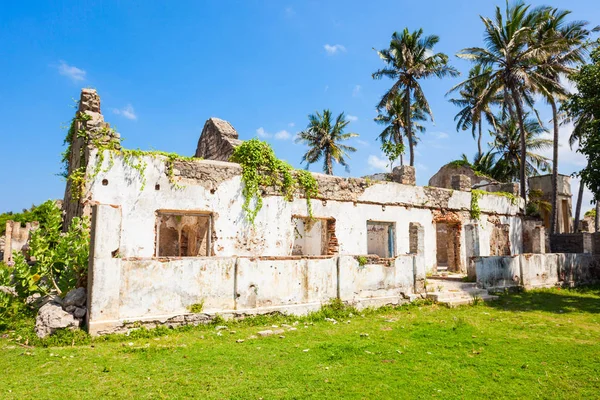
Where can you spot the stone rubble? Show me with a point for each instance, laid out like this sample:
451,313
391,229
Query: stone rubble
56,313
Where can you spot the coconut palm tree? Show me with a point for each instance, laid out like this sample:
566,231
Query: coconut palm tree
512,52
394,120
472,110
409,59
323,136
563,62
507,145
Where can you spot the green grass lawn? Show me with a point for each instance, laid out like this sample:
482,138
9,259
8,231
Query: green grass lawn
539,344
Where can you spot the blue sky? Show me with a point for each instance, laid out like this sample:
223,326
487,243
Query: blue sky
163,68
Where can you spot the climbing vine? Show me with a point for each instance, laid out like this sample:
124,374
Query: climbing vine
262,169
475,210
476,195
132,158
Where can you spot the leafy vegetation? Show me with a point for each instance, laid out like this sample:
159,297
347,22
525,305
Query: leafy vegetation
475,210
261,169
519,347
591,213
35,213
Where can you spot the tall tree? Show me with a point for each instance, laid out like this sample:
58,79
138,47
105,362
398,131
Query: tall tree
583,107
394,120
409,59
506,149
472,108
323,136
513,54
570,51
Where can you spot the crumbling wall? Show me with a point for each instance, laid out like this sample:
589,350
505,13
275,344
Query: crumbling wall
537,270
571,243
217,140
88,119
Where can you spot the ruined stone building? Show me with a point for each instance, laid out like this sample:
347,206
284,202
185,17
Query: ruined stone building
170,234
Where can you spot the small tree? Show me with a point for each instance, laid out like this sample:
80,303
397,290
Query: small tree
392,151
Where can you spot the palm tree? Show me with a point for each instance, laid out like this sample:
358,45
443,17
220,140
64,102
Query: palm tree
410,58
394,120
513,54
472,110
507,145
561,63
323,137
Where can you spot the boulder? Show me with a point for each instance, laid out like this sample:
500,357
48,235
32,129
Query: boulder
52,317
80,312
76,297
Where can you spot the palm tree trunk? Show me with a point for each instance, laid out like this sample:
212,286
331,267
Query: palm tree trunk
479,138
408,126
522,174
597,219
328,163
554,215
578,206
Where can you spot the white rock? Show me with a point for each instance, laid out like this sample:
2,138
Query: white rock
52,317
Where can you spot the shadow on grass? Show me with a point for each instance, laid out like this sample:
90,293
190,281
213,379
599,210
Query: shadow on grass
556,300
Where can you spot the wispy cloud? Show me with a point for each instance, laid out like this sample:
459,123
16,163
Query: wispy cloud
356,90
71,71
289,12
352,118
378,163
326,87
362,142
441,135
127,112
334,49
292,124
283,135
262,133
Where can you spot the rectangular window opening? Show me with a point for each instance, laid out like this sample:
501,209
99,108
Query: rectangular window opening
183,234
381,238
314,237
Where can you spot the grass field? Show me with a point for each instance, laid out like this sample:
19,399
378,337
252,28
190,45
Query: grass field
538,344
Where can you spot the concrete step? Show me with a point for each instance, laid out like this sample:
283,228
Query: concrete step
441,285
435,296
461,301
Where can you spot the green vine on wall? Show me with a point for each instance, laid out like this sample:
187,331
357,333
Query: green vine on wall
262,169
476,195
132,158
475,210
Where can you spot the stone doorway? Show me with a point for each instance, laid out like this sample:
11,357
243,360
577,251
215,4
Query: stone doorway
448,246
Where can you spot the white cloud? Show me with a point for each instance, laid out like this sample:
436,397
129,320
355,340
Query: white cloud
71,71
289,12
428,53
262,133
352,118
587,197
441,135
569,160
326,87
334,49
127,112
421,167
362,142
283,135
292,124
356,90
378,163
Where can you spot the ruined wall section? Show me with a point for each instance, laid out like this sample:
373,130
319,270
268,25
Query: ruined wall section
216,187
88,130
217,140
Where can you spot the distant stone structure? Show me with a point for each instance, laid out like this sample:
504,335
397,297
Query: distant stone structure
217,140
443,178
16,238
543,183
